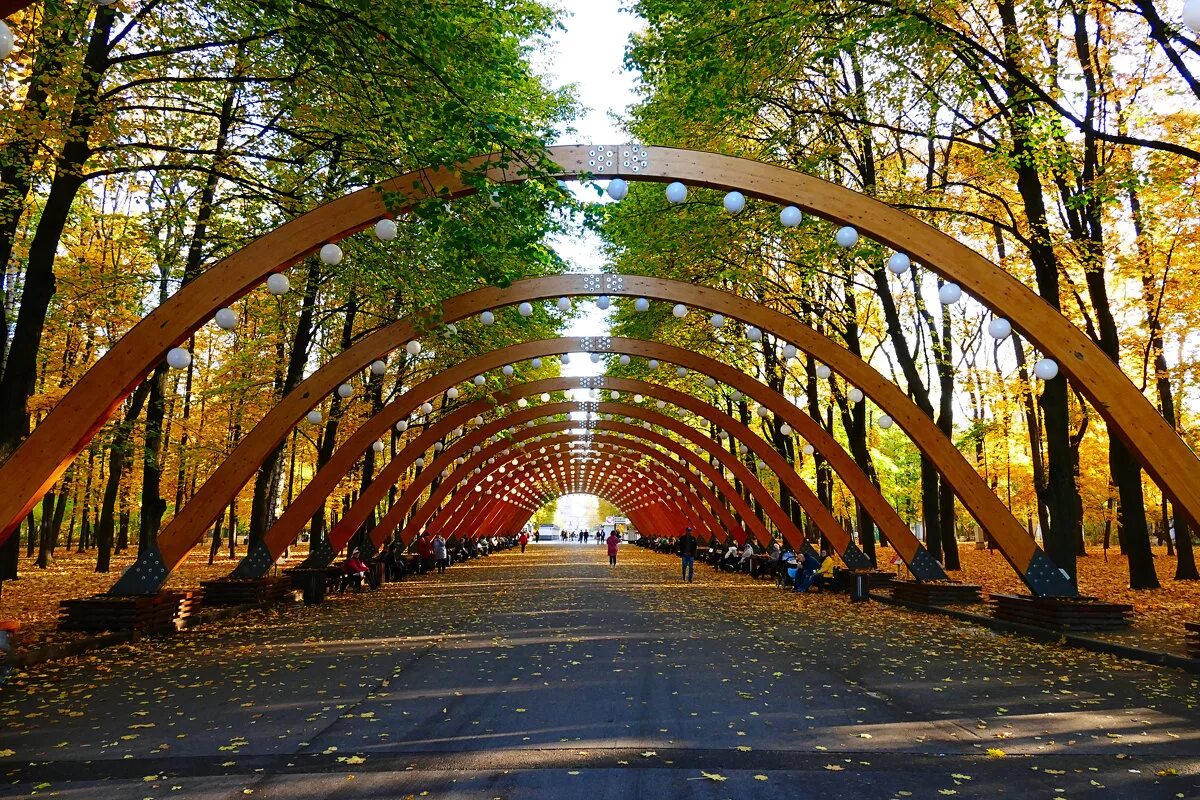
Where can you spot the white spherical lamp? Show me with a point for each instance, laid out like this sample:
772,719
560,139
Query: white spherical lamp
710,382
785,429
378,447
846,237
7,42
595,357
278,284
426,407
420,461
735,395
885,422
413,348
949,294
313,417
507,370
855,395
563,304
345,390
624,360
790,217
1191,14
681,371
536,363
680,311
525,309
762,412
331,254
753,334
999,328
615,395
603,302
617,189
226,319
378,367
437,447
743,449
522,402
809,450
385,230
823,371
899,263
479,380
487,318
565,358
452,393
652,363
734,202
401,426
545,397
1046,369
178,358
717,320
641,304
789,351
660,403
637,398
676,192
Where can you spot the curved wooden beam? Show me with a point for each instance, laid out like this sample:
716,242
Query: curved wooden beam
41,459
627,469
728,523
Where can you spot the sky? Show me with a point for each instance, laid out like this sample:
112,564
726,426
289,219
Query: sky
588,54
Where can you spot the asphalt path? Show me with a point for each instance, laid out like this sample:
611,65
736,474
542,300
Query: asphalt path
550,674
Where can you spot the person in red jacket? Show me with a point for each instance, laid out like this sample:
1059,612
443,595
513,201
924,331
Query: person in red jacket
524,540
353,572
613,540
425,553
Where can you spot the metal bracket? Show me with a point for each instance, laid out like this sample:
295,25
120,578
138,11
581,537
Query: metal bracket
925,567
320,556
145,576
630,157
1046,579
258,561
855,558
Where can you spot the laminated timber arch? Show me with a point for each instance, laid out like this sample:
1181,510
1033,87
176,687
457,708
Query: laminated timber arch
45,454
606,432
433,515
494,515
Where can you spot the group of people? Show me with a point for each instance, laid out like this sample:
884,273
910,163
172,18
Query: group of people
582,535
803,572
433,552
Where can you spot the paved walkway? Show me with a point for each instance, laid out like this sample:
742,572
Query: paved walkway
551,675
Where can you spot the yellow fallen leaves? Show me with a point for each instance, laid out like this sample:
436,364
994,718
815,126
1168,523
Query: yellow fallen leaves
741,748
713,776
834,767
760,777
5,753
995,752
352,759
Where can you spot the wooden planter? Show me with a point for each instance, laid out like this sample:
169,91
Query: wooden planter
935,593
1061,613
1193,638
156,613
245,591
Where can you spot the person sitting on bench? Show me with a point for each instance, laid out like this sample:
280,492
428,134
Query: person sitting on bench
353,572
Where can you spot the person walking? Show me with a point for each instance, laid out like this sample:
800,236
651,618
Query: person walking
687,552
439,553
613,541
524,540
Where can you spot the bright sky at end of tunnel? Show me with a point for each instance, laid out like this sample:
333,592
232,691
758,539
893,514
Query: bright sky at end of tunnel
588,54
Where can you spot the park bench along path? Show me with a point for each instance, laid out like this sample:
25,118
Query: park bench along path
551,674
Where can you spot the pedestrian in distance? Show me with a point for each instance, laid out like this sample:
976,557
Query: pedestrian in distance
524,540
439,553
687,553
613,541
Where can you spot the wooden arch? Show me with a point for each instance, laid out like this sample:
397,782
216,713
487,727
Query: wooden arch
607,432
41,459
432,512
480,517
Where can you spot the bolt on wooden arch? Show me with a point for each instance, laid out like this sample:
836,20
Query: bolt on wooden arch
45,454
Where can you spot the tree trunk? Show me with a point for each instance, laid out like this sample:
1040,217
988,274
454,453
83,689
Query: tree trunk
20,367
119,453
